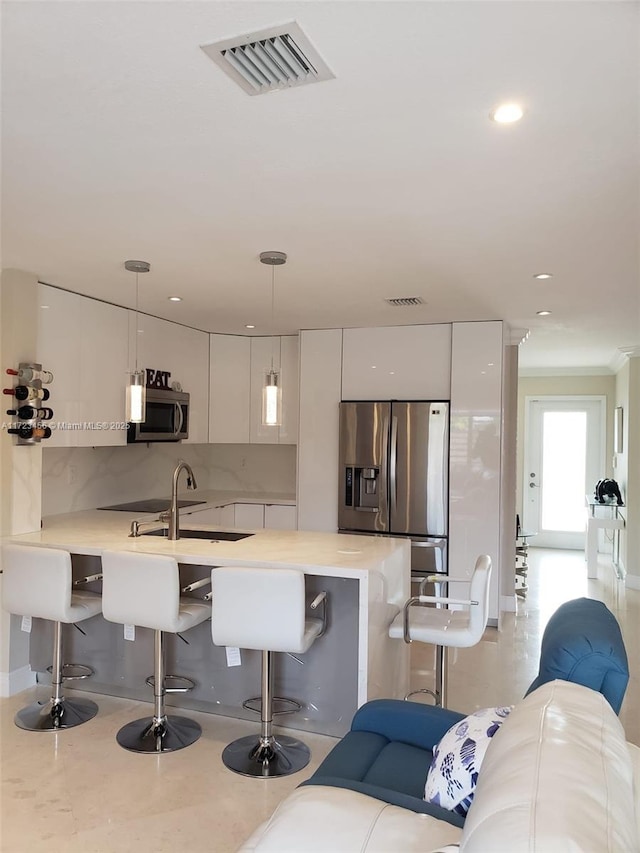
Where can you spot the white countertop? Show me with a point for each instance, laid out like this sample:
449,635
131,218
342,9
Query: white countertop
222,497
91,532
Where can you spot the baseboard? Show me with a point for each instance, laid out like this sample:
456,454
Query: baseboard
16,681
508,603
632,581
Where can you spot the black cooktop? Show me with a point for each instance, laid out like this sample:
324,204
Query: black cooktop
153,505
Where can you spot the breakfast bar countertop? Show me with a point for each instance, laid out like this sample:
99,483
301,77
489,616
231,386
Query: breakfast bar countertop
366,578
90,532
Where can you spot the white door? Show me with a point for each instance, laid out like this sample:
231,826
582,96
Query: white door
564,459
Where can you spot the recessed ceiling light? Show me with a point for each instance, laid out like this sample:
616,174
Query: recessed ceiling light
543,313
249,326
506,113
541,275
175,299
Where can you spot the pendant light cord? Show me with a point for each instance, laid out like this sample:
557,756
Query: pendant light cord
136,344
273,327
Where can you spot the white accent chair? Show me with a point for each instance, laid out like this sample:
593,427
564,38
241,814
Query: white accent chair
263,609
37,582
446,628
144,590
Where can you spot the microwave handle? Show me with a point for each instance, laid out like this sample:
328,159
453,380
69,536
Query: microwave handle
178,429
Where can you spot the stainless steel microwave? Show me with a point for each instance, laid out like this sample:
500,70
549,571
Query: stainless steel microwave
166,417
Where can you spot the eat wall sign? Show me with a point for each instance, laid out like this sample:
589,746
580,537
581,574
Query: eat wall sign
158,379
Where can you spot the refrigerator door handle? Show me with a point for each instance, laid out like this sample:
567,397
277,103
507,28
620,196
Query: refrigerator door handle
393,464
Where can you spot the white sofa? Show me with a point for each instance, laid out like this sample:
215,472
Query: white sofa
558,777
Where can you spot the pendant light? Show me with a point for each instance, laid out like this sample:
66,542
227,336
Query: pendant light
136,387
272,390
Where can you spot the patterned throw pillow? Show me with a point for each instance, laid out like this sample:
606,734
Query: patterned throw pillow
453,774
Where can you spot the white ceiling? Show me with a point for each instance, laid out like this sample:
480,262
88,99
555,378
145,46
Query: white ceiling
121,139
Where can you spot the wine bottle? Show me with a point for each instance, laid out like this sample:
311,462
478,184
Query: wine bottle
26,431
29,413
26,392
28,374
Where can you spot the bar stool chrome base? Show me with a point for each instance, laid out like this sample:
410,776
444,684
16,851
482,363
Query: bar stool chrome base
54,716
266,757
156,735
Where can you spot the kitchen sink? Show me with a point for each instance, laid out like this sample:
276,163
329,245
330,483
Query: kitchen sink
213,535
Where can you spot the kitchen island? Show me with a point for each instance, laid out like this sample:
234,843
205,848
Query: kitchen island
366,578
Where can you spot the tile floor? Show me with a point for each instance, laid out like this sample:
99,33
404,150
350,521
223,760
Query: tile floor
78,791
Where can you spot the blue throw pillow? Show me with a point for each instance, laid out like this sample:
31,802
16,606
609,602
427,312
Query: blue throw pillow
453,774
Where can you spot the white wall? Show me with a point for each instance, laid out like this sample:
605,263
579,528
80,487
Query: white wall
20,466
627,472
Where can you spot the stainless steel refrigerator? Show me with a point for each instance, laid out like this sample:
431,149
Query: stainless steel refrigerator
394,466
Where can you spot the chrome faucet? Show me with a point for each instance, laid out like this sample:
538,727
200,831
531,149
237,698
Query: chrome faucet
174,512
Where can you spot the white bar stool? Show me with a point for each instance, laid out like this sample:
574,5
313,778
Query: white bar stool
37,583
446,628
263,609
144,590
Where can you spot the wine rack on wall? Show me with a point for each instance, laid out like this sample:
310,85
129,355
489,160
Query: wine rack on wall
30,410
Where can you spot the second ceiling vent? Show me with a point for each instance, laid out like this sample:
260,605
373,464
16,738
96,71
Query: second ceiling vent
270,60
405,301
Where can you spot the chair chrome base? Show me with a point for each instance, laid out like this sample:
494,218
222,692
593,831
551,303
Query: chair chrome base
153,735
51,717
268,758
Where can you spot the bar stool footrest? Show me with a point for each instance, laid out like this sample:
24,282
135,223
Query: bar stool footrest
74,671
281,705
177,683
436,698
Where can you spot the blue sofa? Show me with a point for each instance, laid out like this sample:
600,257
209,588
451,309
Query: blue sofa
388,751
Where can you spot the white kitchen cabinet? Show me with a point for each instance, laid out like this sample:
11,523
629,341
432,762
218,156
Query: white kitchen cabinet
289,365
250,516
475,454
320,388
279,517
282,352
229,389
228,515
195,515
184,352
84,342
397,363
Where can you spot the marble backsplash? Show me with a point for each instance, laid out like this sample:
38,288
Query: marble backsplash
87,477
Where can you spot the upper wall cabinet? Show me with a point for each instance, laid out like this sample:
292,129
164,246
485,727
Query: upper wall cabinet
229,392
84,343
184,352
282,352
397,363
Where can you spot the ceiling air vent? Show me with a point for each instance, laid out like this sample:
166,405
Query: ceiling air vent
404,301
270,60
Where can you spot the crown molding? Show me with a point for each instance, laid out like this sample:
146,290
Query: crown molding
515,337
623,354
526,372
